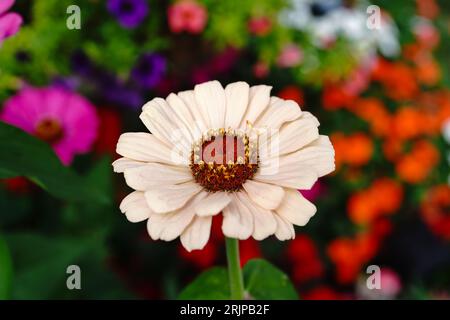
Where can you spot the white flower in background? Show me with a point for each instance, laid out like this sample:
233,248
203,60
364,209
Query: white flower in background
326,20
236,151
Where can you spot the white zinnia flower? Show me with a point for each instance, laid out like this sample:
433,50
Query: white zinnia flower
235,151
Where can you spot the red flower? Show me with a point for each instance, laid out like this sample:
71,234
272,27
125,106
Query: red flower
305,260
249,249
204,258
335,97
435,210
292,93
109,132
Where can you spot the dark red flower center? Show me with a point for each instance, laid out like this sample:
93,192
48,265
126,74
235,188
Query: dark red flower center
49,130
223,161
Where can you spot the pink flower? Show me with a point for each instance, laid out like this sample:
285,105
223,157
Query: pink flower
65,120
260,69
290,56
259,26
187,15
9,22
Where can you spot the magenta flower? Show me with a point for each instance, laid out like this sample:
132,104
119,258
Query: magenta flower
187,15
9,22
65,120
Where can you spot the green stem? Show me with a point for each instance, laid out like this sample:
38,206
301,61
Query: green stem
234,269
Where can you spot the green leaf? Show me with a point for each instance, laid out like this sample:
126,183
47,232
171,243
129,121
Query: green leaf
24,155
210,285
264,281
41,263
6,271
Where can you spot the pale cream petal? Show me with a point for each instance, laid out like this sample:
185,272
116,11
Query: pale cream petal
265,195
171,197
164,123
212,204
237,95
151,175
259,97
169,226
264,223
145,147
285,229
278,113
210,97
196,235
120,165
237,220
185,113
200,117
318,155
295,208
297,134
286,171
135,207
172,224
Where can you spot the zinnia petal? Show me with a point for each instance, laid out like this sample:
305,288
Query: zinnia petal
212,204
264,223
196,235
210,97
135,207
295,208
265,195
171,197
237,220
277,113
146,147
258,102
152,175
237,95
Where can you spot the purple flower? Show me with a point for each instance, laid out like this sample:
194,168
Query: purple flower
149,70
130,13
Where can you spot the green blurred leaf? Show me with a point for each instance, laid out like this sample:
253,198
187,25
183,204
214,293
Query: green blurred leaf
6,271
41,263
262,280
210,285
24,155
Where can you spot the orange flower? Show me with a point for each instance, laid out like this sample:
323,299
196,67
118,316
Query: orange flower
407,123
435,107
418,164
428,71
388,195
435,210
361,207
292,93
373,111
355,149
400,83
383,197
398,79
359,149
